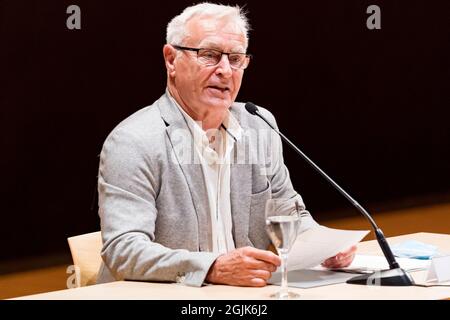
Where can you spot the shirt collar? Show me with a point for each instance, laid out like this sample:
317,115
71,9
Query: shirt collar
230,128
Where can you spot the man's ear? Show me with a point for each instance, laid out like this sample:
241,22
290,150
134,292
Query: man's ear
169,54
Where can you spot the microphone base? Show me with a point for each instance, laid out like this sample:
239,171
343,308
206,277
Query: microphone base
391,277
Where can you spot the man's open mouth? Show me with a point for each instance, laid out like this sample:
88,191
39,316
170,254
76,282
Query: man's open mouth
222,89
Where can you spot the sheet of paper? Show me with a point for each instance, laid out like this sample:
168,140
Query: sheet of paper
380,263
369,264
319,243
439,270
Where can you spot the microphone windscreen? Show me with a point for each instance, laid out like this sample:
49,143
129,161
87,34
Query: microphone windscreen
251,108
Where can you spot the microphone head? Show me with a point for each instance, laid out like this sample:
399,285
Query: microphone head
251,108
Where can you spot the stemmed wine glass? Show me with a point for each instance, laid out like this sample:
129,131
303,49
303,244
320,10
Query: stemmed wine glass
282,224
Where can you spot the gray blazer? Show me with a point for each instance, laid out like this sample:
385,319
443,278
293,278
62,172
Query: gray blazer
153,202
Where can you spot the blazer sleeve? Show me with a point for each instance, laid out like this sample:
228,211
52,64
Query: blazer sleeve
128,184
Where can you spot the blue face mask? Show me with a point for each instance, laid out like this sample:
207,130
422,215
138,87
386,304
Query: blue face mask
414,249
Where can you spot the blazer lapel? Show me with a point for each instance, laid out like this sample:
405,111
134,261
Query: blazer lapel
241,187
183,151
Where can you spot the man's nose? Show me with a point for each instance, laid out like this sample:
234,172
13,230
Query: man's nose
224,67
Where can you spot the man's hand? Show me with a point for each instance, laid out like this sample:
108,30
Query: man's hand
341,260
244,267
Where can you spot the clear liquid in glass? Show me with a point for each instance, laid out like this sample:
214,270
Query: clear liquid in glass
283,230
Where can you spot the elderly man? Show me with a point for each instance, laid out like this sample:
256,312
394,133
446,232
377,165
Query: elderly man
174,206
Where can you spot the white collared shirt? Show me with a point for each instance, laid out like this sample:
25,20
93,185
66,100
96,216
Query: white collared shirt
214,149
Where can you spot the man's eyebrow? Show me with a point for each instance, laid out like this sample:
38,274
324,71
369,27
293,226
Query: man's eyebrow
212,45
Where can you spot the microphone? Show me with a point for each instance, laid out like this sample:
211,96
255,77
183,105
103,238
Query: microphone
394,276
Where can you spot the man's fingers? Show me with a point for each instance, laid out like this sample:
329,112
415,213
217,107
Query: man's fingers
342,259
346,258
252,263
258,282
260,277
339,261
349,251
263,255
262,274
243,267
327,263
346,262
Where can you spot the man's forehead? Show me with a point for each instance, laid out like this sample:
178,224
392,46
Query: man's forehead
215,33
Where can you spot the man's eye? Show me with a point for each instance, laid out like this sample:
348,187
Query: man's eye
234,58
209,54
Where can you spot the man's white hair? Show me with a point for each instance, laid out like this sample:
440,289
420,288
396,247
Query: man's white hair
177,30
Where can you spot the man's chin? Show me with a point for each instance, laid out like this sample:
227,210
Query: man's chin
218,104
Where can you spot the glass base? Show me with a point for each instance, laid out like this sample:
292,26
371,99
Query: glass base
285,295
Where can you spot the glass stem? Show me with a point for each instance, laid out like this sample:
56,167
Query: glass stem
284,282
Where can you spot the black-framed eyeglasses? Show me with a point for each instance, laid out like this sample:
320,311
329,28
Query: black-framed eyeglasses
211,57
